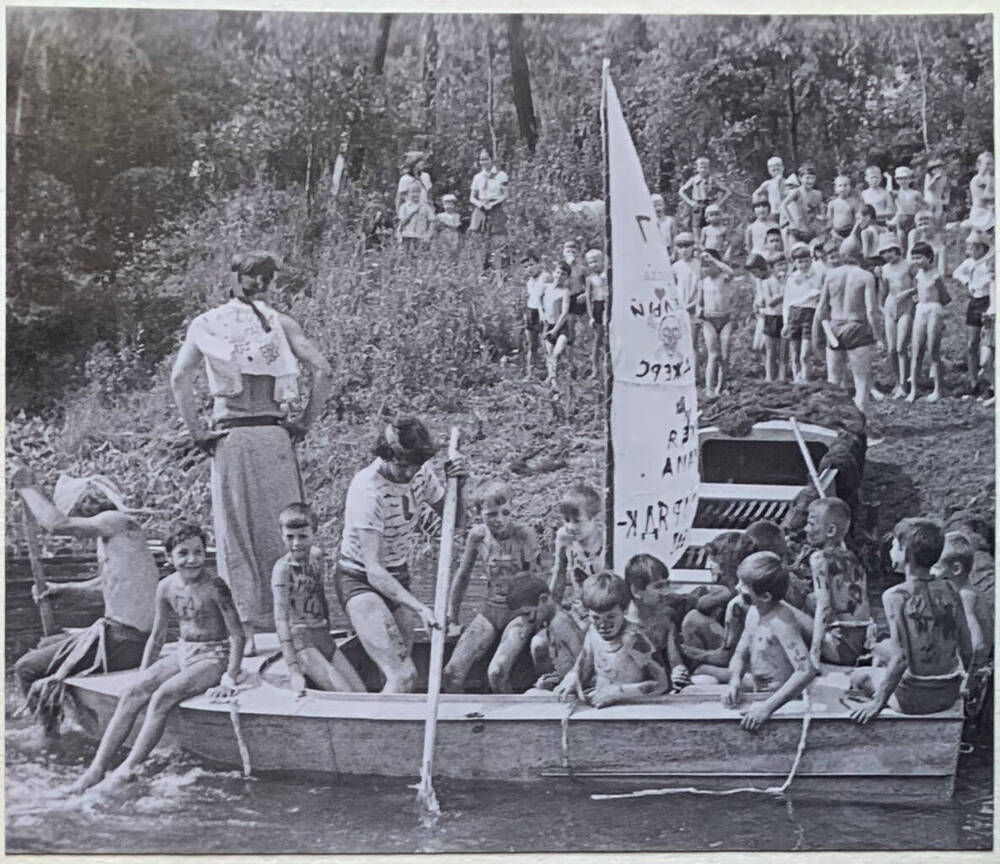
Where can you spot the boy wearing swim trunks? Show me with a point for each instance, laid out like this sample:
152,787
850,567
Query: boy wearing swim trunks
659,610
714,307
769,294
841,618
618,663
507,550
536,281
976,274
898,309
301,613
927,627
579,553
877,196
771,656
841,211
206,617
928,320
802,289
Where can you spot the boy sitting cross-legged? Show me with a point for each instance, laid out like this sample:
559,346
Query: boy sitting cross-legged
508,550
206,616
618,662
927,628
771,645
301,613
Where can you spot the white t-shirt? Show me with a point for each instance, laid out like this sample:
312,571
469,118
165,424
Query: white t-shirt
536,286
376,503
975,274
488,186
802,290
407,180
687,273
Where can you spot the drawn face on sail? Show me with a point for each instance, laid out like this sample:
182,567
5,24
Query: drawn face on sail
608,623
188,557
669,331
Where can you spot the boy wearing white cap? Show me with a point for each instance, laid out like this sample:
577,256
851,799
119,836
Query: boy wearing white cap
126,582
976,274
898,308
908,202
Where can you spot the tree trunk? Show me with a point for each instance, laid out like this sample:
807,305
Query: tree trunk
923,92
521,79
490,52
430,64
19,109
385,23
793,120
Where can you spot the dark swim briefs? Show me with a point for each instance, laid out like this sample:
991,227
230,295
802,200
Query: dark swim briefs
974,311
532,320
852,334
350,580
773,325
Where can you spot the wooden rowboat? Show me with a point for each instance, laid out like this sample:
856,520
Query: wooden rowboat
681,740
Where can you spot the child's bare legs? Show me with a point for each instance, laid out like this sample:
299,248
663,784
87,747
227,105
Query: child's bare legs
917,352
794,351
836,373
725,338
783,351
477,638
190,681
712,347
515,636
337,675
562,638
935,328
772,347
904,336
129,705
973,354
805,352
598,348
758,334
531,353
860,360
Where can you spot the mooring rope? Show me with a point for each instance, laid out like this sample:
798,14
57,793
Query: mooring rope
693,790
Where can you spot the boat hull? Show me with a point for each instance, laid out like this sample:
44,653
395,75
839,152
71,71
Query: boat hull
677,741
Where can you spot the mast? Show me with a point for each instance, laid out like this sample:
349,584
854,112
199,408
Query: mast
609,449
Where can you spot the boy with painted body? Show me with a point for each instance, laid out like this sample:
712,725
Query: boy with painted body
805,220
579,553
846,311
756,232
658,610
802,290
664,223
877,196
714,233
955,565
714,307
841,211
908,201
976,274
773,188
842,618
928,321
898,309
206,617
701,189
927,627
529,597
618,663
301,612
771,647
508,551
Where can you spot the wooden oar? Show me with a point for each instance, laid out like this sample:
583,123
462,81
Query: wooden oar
808,457
38,572
425,789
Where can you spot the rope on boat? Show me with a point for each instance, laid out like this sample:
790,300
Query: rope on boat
693,790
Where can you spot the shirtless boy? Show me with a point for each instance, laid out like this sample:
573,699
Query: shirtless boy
802,289
928,319
981,191
528,597
658,609
715,297
771,648
769,296
976,274
597,300
805,219
898,309
561,334
841,211
126,582
301,613
927,628
774,245
618,663
756,232
908,202
842,618
877,195
846,311
927,231
664,222
774,187
579,553
536,280
866,234
714,233
701,189
206,616
955,565
936,190
507,550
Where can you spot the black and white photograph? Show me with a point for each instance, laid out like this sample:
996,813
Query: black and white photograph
498,432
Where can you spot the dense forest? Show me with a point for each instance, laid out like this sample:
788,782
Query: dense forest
145,147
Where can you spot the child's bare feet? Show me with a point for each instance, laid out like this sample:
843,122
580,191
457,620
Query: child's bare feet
898,392
91,777
934,397
912,397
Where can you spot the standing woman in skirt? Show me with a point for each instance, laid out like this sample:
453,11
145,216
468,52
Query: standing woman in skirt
251,355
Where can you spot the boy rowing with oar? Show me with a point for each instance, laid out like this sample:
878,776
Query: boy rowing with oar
126,581
206,616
